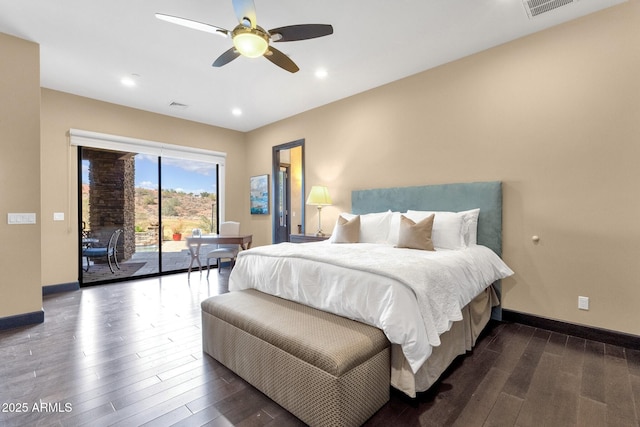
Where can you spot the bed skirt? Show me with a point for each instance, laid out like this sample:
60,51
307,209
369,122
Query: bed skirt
456,341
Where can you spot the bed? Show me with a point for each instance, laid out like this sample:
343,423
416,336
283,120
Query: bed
411,295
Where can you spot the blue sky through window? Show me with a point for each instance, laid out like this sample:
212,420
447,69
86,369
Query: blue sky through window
188,176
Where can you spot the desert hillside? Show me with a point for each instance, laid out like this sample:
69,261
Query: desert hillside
181,212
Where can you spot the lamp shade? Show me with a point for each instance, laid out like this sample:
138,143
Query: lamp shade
319,196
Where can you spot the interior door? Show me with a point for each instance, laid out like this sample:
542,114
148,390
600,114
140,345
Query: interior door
283,226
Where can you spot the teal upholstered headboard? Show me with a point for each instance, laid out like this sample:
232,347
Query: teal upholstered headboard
445,197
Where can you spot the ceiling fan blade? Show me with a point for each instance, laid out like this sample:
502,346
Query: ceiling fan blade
281,60
200,26
245,12
300,32
226,57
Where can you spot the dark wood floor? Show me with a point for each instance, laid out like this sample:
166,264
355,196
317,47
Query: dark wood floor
130,354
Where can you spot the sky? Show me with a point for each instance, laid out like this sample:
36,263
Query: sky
189,176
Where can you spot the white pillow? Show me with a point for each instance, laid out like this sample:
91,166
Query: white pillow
448,231
470,226
394,228
374,227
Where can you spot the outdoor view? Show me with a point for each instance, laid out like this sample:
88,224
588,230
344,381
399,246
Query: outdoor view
188,195
122,191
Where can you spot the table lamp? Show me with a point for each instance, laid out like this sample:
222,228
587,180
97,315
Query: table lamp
319,196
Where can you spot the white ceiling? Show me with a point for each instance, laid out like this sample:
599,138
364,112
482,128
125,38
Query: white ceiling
87,46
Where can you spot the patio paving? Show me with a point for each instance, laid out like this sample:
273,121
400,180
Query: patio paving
175,257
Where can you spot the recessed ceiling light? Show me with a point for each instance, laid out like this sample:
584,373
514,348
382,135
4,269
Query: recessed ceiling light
236,112
130,81
321,73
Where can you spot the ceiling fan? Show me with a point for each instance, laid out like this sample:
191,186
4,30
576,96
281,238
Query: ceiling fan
253,41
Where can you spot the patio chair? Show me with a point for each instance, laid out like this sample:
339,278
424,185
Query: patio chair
110,251
224,251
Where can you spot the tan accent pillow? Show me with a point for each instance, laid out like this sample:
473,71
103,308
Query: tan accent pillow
416,235
347,231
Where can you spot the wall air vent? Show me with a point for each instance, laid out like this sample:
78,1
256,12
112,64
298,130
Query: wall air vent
178,105
538,7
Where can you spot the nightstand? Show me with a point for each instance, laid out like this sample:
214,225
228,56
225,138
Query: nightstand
303,238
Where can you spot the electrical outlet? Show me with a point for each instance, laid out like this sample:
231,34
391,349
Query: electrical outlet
583,303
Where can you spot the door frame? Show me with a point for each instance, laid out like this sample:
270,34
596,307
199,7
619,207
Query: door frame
275,184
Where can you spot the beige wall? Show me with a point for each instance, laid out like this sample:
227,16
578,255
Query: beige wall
554,116
20,288
62,111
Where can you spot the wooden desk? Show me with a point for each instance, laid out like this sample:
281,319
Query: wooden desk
194,243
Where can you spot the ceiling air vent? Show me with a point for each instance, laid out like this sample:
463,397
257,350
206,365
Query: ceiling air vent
539,7
178,105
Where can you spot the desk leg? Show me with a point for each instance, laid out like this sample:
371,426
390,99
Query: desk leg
195,255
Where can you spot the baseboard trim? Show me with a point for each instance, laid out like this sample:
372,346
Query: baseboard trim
587,332
62,287
22,320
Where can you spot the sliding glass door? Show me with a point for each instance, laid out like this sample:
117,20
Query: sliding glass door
147,226
189,201
155,201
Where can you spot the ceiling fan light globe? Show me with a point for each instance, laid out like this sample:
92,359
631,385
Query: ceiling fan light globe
250,43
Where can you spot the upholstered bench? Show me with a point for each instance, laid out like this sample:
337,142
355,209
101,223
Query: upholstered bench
325,369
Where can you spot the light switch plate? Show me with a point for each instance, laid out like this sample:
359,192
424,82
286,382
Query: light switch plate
21,218
58,216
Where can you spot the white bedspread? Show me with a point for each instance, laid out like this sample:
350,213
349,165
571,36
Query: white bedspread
413,296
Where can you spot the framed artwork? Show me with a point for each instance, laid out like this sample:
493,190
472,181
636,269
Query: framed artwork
259,196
